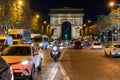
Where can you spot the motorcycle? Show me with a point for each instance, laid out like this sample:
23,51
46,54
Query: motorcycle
55,53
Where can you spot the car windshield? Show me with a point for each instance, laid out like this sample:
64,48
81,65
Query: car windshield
17,50
97,44
16,36
37,39
117,46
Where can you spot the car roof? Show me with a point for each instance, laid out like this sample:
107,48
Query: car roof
114,43
3,36
27,45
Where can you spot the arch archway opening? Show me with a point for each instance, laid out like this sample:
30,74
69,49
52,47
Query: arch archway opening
66,31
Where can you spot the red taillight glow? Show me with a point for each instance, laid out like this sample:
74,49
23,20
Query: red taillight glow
114,48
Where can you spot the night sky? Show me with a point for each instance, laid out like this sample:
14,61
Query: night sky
92,8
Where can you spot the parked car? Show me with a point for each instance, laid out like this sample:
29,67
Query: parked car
24,60
5,70
112,49
77,44
96,45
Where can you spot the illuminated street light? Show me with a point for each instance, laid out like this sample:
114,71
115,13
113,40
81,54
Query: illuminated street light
84,25
37,16
44,22
112,4
89,21
35,22
20,2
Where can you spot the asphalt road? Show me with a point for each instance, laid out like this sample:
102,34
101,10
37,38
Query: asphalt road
79,64
87,64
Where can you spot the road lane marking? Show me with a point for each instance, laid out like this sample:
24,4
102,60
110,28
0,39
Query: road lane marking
55,68
66,77
53,72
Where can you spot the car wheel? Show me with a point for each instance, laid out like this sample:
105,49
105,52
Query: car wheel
105,54
111,55
32,73
39,67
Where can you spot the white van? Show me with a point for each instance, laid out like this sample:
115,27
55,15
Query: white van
20,35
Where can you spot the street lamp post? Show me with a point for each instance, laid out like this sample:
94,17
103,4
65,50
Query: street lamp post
84,26
35,22
89,22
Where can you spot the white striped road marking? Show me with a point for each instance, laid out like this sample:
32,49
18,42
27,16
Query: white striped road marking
66,77
53,72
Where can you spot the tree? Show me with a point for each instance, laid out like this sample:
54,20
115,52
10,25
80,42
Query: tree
103,23
115,18
20,14
4,14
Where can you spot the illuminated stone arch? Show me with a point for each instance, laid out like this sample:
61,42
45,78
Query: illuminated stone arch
59,16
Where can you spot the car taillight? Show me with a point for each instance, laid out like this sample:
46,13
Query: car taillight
114,48
81,44
74,45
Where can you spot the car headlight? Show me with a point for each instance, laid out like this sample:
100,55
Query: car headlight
12,78
32,44
40,45
55,48
61,44
112,53
25,62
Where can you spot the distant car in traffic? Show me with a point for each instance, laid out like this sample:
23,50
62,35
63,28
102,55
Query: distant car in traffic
5,70
86,42
6,40
77,44
24,60
112,49
96,45
36,40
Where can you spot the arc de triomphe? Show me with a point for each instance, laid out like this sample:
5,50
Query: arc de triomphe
70,15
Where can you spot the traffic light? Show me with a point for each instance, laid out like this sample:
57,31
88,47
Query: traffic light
66,36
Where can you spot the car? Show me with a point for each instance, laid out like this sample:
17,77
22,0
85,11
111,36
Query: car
112,49
6,40
36,40
96,45
3,46
77,44
24,59
86,42
6,72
